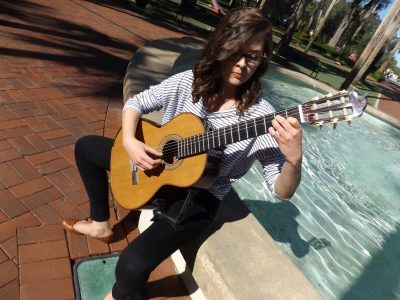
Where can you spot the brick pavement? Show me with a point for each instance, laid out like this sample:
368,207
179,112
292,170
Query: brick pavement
61,69
390,90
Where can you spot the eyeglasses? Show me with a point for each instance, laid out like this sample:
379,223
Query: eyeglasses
251,59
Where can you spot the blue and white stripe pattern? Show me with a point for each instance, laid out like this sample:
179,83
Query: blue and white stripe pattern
174,95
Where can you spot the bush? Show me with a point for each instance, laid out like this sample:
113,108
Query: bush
378,76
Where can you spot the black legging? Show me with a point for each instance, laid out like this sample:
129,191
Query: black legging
160,240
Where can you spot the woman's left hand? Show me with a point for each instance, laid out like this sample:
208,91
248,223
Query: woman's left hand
288,134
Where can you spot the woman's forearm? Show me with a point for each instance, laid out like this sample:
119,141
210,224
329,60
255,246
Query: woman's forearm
288,181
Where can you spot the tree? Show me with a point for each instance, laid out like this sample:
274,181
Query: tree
287,37
352,14
385,31
320,24
316,13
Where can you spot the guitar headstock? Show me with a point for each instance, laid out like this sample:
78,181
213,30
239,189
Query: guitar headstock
343,106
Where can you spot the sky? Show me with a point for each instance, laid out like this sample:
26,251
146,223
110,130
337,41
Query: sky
382,14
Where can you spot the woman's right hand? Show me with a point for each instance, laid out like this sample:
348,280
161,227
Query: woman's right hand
143,156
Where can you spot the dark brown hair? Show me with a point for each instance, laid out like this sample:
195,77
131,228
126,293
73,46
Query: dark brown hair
234,30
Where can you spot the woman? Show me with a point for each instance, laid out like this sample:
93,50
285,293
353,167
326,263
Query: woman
223,89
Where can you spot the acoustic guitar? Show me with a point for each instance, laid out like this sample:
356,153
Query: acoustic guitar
184,142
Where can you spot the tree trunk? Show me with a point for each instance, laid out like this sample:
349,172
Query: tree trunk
287,37
262,4
344,24
385,31
321,24
316,14
391,55
368,12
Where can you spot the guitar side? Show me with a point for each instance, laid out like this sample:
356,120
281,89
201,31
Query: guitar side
181,173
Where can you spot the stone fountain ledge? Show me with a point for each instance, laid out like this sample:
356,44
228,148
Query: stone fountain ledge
236,258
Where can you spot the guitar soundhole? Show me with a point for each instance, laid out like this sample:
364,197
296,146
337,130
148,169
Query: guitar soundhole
170,151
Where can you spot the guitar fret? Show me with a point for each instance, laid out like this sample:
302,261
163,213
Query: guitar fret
231,133
265,124
238,131
247,131
255,126
219,140
224,136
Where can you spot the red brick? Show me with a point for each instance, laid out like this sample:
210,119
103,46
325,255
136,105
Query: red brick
95,247
30,187
10,247
42,251
67,210
10,205
19,131
49,135
68,153
77,245
9,154
8,229
37,142
72,174
10,291
44,157
8,272
40,198
63,141
84,208
4,145
62,183
40,234
24,168
53,166
78,197
21,106
22,146
44,271
8,176
120,242
6,114
47,215
3,257
3,217
51,289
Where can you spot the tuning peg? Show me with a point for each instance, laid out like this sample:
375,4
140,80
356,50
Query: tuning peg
348,121
334,125
319,124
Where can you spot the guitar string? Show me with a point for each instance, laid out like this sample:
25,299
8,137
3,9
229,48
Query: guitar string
210,136
204,138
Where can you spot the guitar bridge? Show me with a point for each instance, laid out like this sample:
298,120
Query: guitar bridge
134,172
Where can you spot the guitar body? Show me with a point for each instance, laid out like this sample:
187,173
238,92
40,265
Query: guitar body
133,189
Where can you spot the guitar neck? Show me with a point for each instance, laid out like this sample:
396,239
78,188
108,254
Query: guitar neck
241,131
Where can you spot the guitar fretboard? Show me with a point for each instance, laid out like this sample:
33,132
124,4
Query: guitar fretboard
220,137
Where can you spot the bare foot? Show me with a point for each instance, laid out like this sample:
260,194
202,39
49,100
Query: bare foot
93,228
109,297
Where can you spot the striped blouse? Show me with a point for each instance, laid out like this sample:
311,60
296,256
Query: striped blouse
174,96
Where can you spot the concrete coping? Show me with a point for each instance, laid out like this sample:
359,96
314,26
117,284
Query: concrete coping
235,258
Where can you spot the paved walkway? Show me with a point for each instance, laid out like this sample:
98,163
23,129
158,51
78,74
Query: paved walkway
61,68
390,98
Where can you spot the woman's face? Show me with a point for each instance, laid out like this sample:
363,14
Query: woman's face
241,66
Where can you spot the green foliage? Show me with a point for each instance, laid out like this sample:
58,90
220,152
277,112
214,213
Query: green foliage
377,75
